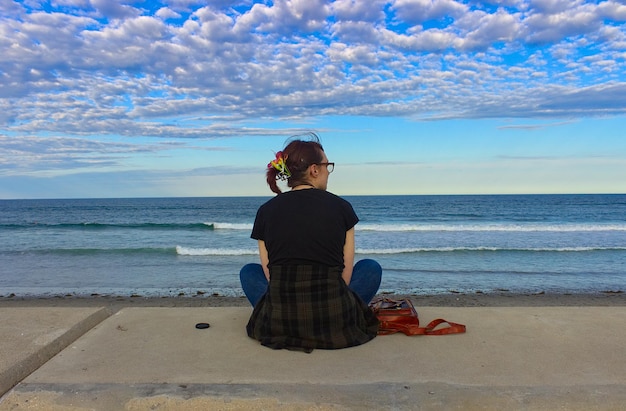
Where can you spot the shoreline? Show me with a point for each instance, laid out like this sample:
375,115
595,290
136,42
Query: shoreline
500,299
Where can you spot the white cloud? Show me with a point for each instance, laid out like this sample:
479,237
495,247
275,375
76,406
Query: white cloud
33,153
613,10
561,22
288,17
167,13
483,29
114,9
129,71
186,5
355,32
358,54
11,9
419,11
359,10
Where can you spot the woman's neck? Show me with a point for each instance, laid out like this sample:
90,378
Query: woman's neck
303,186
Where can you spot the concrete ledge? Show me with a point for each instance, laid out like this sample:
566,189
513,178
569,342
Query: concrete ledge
318,397
531,358
29,337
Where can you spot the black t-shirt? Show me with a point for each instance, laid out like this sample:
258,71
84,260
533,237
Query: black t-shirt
305,227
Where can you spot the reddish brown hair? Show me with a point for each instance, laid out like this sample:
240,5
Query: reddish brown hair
301,151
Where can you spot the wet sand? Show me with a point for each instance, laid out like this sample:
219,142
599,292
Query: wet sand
501,299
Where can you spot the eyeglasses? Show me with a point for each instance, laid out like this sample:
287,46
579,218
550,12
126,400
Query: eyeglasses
329,166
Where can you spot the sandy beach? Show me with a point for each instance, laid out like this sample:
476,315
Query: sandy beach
502,299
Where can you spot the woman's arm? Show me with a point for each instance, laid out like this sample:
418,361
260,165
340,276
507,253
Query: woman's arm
264,259
348,256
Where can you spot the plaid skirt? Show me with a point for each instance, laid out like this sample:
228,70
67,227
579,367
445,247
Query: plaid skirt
308,307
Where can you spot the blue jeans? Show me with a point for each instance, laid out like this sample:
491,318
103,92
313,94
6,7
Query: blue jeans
365,280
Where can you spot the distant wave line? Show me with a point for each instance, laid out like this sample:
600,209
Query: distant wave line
105,226
565,227
92,251
178,250
503,227
189,251
192,251
484,249
231,226
138,226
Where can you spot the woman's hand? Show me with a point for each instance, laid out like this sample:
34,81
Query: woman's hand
264,259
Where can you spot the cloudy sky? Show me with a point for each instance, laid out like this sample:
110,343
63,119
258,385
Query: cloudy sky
122,98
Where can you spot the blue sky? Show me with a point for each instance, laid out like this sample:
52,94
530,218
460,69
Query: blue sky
111,98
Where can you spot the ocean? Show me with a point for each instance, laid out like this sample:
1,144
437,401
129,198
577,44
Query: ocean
425,244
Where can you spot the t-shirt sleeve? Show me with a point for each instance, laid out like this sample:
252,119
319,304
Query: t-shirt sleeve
350,217
258,229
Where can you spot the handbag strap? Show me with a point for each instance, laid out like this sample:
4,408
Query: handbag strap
453,328
430,329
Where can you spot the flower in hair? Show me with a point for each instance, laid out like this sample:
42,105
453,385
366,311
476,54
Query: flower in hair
280,164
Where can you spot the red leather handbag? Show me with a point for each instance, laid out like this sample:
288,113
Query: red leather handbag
400,316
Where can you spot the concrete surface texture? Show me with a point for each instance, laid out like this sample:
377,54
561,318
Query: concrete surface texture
532,358
31,336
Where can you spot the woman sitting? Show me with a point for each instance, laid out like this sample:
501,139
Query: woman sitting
306,293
